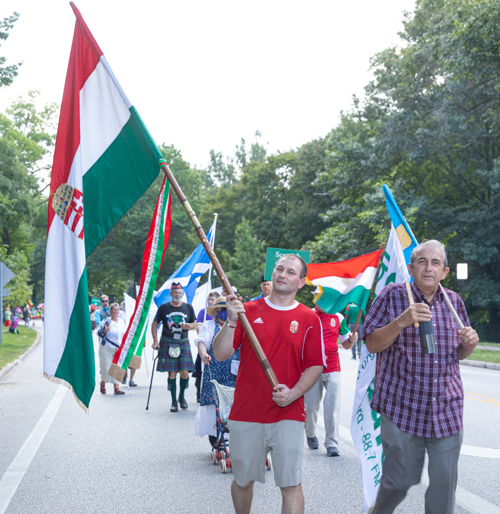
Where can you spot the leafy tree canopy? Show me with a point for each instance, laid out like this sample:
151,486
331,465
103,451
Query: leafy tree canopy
7,73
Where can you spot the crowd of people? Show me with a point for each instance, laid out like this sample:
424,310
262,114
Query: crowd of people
12,316
302,345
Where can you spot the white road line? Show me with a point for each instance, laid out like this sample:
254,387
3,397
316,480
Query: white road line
473,503
17,469
478,451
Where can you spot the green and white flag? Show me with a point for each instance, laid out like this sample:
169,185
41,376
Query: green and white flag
104,161
365,422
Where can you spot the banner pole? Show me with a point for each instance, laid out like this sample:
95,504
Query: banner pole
209,281
257,348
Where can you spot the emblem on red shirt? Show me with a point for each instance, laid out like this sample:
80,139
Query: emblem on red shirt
332,322
294,326
68,205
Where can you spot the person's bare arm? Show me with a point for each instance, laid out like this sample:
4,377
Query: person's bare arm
381,338
202,350
154,333
223,342
283,396
352,339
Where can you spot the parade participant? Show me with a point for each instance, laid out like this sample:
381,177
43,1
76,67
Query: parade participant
26,316
261,419
7,316
334,329
200,319
93,322
223,372
13,325
103,312
174,353
111,331
419,396
351,316
266,287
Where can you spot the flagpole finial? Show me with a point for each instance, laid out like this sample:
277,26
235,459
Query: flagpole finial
215,215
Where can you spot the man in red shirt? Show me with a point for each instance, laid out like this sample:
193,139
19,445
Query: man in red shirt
334,329
261,419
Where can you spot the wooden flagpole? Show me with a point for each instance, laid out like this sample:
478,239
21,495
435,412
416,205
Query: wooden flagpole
261,356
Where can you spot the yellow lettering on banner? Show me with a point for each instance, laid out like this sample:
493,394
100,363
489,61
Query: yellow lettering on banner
403,236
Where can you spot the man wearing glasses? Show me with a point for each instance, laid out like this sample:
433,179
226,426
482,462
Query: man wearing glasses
103,312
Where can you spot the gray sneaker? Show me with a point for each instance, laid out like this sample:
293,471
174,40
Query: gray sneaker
312,442
332,451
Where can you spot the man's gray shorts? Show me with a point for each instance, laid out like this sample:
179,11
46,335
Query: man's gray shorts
249,444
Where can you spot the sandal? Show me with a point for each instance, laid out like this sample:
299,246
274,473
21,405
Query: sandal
103,389
118,391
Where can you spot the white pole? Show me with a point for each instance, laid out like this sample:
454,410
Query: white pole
452,309
212,243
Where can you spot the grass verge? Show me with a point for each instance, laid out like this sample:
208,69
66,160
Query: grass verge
15,345
485,356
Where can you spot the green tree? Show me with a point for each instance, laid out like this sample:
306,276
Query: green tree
429,129
7,73
19,289
26,137
246,263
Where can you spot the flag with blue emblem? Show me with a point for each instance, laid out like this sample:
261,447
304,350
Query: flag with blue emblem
189,273
365,422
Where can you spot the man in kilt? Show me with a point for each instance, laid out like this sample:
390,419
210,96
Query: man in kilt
174,354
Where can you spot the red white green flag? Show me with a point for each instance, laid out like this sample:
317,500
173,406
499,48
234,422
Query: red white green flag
130,351
104,161
344,282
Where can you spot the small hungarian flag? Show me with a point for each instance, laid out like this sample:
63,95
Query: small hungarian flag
130,351
104,161
344,282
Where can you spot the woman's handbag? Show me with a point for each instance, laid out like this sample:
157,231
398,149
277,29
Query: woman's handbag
174,350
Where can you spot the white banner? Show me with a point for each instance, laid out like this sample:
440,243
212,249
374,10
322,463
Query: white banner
365,422
365,429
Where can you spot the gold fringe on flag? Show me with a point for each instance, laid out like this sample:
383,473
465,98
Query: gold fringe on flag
69,386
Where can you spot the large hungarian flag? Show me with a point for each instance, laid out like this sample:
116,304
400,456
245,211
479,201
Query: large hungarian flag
344,282
104,161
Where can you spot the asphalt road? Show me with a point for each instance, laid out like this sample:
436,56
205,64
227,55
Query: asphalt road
54,458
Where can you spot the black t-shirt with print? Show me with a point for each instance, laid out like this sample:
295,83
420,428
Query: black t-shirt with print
172,317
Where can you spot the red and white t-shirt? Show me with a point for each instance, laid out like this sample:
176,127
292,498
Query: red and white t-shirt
335,329
292,340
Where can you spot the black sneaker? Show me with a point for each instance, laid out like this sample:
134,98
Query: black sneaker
174,407
132,384
183,403
313,443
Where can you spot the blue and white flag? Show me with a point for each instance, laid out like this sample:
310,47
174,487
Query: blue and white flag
365,422
189,273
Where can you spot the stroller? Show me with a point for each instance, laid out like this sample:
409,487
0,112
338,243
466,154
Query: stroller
223,398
